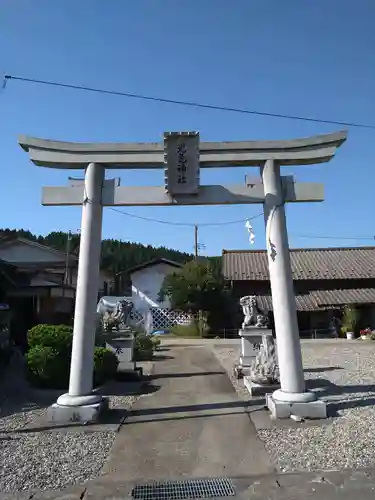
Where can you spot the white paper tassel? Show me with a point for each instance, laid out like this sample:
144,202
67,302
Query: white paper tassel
249,227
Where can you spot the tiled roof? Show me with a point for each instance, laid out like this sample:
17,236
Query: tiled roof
304,302
308,263
349,296
319,299
11,238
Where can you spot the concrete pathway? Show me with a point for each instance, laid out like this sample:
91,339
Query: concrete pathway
193,426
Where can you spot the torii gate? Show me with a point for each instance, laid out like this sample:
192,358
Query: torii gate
181,156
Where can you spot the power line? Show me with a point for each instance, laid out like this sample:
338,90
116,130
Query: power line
184,103
225,223
149,219
186,224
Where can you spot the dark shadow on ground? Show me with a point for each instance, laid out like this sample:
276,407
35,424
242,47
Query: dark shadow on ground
115,388
22,398
18,396
128,376
173,346
113,416
322,369
180,417
335,407
325,388
185,375
161,357
186,408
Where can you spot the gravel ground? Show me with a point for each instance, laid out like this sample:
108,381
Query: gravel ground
51,460
46,460
344,375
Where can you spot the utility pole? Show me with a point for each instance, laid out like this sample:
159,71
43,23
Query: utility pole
196,241
66,277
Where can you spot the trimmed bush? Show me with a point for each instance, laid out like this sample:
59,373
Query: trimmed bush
143,347
49,355
47,368
105,365
58,337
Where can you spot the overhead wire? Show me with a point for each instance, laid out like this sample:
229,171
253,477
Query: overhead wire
8,77
238,221
187,224
194,104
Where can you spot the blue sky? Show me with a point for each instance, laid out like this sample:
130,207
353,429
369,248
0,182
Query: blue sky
292,57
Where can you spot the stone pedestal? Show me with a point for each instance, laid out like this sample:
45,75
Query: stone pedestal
251,340
313,409
122,344
77,414
259,389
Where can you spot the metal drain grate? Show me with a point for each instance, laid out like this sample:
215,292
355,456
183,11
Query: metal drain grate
179,490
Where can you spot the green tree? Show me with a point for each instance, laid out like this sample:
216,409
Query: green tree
197,287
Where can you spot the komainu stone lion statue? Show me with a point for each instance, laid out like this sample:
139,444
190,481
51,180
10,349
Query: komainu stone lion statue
253,315
118,318
265,368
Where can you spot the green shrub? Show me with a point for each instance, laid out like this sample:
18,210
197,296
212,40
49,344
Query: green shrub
49,356
58,337
350,318
156,341
47,368
105,365
144,347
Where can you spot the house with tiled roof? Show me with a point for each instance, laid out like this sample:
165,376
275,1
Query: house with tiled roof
325,280
46,292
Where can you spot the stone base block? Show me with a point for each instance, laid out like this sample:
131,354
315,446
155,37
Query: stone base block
76,414
259,389
310,410
249,331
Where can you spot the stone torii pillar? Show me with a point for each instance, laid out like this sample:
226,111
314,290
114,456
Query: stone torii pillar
181,156
81,372
292,397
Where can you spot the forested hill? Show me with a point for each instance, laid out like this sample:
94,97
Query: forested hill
116,255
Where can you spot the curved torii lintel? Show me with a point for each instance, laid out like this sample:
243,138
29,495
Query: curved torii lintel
71,155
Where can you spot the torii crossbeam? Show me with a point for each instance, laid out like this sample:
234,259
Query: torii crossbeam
181,156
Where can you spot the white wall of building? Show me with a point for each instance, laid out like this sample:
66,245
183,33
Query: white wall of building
146,285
